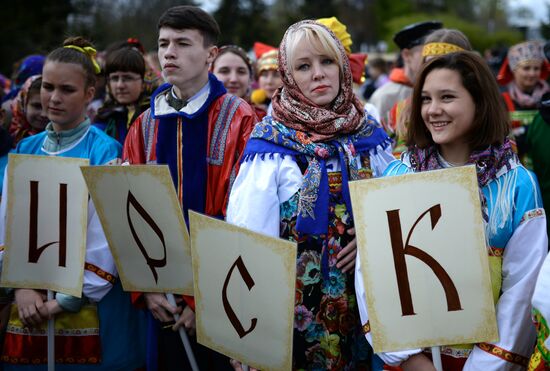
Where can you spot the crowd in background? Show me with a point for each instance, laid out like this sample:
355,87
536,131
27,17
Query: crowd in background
325,116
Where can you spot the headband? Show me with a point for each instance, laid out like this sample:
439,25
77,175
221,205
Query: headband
90,52
432,49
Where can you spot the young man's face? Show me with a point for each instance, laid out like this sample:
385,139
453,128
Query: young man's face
183,57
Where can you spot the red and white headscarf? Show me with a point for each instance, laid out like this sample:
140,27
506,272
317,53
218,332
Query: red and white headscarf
344,115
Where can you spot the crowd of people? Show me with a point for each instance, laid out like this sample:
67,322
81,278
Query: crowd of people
271,144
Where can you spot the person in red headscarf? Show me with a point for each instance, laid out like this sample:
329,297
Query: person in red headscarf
523,74
27,117
293,184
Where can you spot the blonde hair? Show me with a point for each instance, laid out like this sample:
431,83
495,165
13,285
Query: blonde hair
318,37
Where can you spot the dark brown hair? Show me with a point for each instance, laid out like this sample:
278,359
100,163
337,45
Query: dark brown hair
187,17
68,55
491,122
126,59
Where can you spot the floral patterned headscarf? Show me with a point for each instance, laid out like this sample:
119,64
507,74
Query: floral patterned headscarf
19,127
290,106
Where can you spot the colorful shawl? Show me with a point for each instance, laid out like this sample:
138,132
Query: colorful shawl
270,136
525,100
490,163
345,114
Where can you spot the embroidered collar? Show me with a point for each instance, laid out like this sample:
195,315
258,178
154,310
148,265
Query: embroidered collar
195,105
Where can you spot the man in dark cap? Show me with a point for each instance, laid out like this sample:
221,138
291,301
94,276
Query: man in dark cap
410,40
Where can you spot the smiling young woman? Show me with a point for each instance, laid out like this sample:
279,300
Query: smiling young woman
458,118
234,69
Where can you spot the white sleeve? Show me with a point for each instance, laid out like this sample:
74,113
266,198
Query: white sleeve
390,358
373,111
523,256
259,189
380,158
99,271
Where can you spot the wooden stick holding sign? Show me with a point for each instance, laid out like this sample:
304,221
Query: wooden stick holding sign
244,292
45,238
436,358
51,338
183,336
416,233
142,220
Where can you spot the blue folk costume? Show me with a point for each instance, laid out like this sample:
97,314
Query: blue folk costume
107,333
515,228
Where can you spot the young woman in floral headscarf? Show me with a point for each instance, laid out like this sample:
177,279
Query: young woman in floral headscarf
27,117
523,74
458,118
293,184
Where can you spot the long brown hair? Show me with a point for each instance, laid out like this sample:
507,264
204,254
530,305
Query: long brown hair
491,122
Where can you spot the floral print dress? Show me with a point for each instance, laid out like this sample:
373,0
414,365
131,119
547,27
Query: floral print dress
327,331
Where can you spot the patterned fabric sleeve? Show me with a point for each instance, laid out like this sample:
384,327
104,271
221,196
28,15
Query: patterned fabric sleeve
540,360
261,185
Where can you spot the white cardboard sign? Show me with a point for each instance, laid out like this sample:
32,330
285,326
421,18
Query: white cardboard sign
423,259
46,222
142,220
244,292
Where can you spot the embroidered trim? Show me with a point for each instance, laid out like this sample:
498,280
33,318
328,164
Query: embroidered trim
37,361
504,354
180,161
308,193
366,328
531,214
100,272
148,135
495,251
335,179
221,128
455,352
543,333
13,329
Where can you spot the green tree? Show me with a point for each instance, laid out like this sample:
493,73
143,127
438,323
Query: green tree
31,27
243,22
108,21
477,35
545,26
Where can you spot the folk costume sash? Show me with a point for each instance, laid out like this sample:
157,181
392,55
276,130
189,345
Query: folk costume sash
343,116
182,144
77,339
